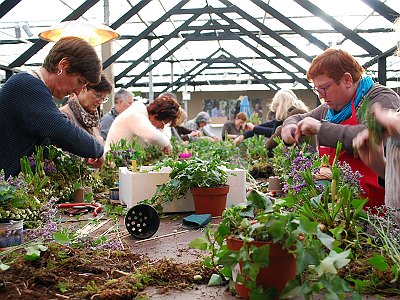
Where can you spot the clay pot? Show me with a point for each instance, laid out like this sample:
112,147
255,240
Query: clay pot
210,200
282,266
274,184
79,194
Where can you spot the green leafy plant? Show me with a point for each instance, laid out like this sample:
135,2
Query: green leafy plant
263,218
365,116
185,174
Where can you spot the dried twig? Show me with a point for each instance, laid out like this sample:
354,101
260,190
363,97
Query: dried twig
161,236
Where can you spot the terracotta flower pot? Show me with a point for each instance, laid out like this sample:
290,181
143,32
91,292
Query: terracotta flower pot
79,194
210,200
274,184
281,269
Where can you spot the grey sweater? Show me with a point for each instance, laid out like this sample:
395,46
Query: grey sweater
330,133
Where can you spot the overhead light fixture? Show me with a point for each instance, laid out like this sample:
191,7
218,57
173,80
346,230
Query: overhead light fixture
95,34
27,30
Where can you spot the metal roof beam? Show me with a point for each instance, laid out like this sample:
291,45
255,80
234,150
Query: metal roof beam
6,6
129,14
143,34
348,33
24,57
266,46
289,23
176,82
252,72
155,48
268,31
382,9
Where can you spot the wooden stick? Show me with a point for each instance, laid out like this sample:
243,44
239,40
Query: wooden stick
161,236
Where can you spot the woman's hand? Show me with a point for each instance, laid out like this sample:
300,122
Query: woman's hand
167,150
308,127
389,119
238,140
370,154
96,162
249,126
288,133
194,133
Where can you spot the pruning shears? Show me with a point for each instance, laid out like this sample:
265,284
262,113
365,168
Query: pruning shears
96,207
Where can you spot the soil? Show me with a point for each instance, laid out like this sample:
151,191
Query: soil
163,268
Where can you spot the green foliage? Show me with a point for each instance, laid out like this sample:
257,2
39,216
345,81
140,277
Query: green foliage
364,115
186,174
254,119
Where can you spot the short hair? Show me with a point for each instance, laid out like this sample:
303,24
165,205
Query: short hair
123,94
81,56
180,121
103,86
242,116
168,94
334,63
283,100
202,117
165,108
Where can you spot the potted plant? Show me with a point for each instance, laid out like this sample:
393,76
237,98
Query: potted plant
206,180
255,243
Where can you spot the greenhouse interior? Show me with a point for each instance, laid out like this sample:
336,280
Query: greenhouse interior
204,149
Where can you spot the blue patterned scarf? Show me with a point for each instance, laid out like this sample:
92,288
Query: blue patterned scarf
364,86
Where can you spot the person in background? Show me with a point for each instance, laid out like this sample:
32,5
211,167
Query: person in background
143,123
82,109
198,123
122,100
216,111
232,129
284,103
258,110
29,115
373,155
338,80
180,132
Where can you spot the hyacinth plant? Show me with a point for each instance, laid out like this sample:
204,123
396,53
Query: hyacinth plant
58,175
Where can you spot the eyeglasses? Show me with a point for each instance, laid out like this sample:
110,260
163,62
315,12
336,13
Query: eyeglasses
322,90
99,96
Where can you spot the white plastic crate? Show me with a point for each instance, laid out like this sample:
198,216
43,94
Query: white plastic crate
137,186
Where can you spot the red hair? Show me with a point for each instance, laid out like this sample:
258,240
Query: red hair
164,108
334,63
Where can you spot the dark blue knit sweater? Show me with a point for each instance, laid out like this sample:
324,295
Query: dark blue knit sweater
29,118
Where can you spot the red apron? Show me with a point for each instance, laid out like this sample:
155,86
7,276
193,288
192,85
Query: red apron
369,179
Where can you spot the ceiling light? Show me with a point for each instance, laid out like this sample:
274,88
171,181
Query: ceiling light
95,34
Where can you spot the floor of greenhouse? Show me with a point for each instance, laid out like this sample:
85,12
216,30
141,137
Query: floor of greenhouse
171,241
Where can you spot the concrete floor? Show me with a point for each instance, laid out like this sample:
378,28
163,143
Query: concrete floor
176,247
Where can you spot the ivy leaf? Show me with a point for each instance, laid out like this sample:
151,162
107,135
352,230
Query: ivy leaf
4,267
215,279
261,255
325,239
199,243
61,238
378,262
332,262
32,253
306,226
228,259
